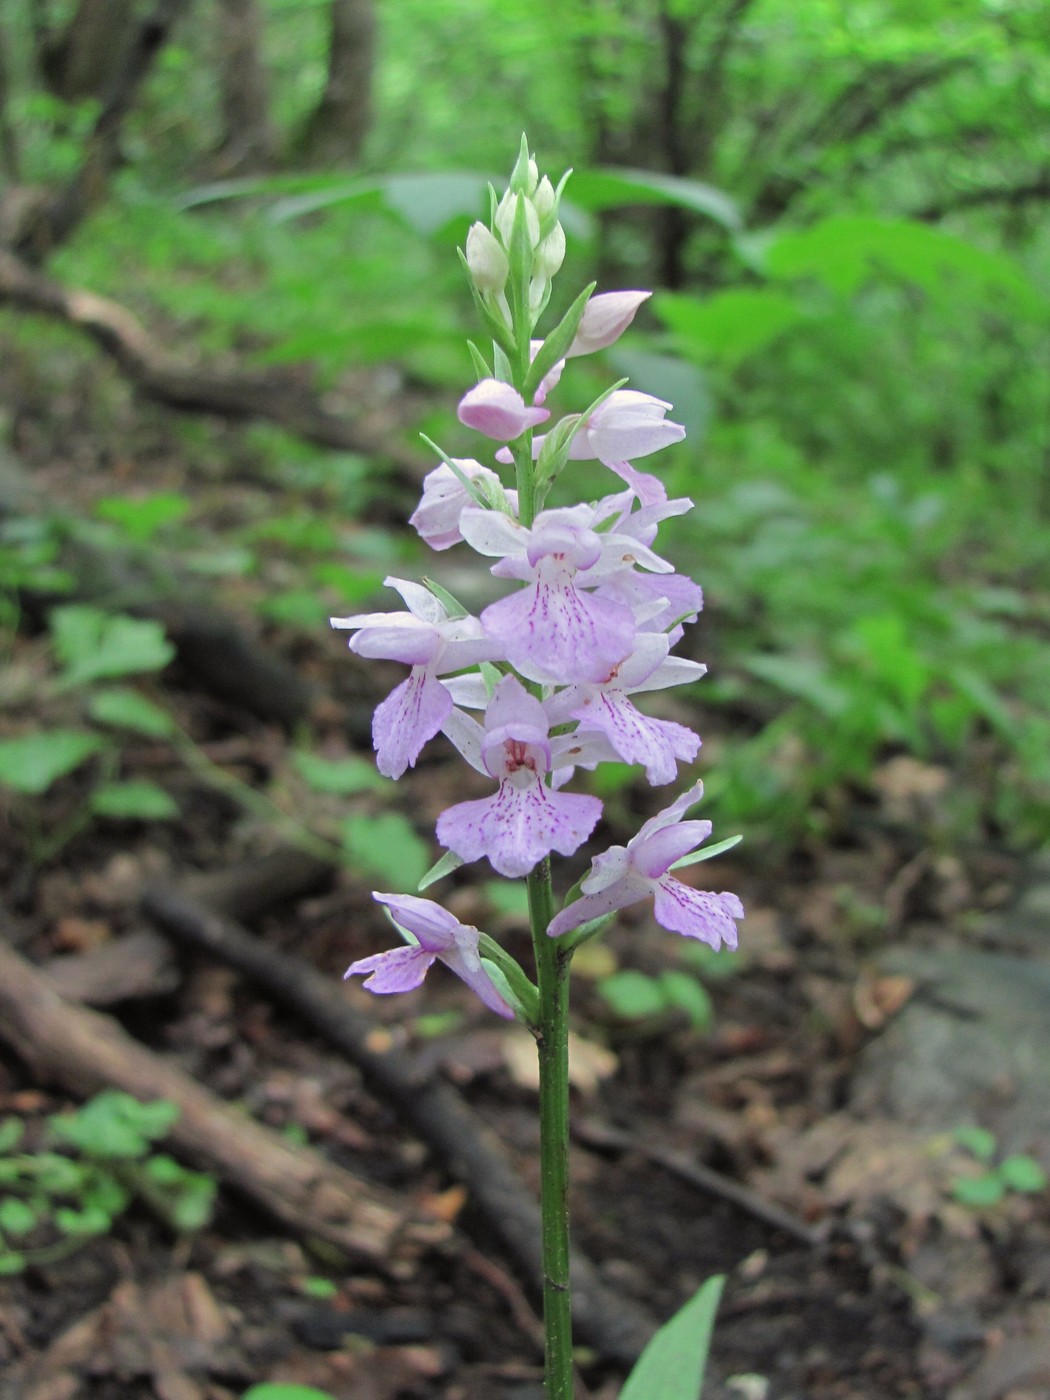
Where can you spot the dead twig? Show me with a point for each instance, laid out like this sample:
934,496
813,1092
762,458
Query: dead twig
706,1178
612,1325
85,1052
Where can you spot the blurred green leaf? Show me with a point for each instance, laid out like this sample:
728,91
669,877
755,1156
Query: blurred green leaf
1019,1172
33,762
135,800
127,709
386,847
93,645
341,776
141,517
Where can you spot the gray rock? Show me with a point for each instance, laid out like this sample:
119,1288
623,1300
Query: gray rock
972,1045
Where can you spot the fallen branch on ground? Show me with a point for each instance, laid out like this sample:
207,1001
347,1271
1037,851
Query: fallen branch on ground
273,396
613,1326
85,1052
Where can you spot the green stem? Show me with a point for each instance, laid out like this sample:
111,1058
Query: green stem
552,1040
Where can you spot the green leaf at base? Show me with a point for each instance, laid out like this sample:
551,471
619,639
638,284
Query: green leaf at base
672,1366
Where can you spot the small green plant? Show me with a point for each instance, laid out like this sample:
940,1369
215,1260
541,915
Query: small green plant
285,1390
1018,1172
91,649
90,1166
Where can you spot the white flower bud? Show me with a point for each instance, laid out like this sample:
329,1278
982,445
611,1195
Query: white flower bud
543,199
486,259
507,213
550,254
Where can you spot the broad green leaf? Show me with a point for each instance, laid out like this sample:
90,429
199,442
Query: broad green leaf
33,762
846,251
727,327
11,1262
140,518
1022,1173
611,189
672,1366
93,645
633,995
341,776
284,1390
386,847
12,1130
136,800
127,709
16,1218
296,607
82,1222
799,676
689,995
977,1140
978,1191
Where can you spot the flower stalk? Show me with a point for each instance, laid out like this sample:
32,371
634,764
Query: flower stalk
543,683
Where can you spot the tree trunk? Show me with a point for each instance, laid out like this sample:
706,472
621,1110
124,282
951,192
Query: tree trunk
83,59
248,140
10,164
337,130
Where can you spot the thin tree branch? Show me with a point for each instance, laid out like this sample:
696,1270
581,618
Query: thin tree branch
1028,191
58,216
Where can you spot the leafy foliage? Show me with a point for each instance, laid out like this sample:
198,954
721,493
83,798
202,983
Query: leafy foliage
91,1165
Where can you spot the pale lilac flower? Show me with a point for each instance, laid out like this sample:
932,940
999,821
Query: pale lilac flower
548,381
526,819
444,499
624,875
626,425
433,644
604,320
498,410
605,707
551,631
438,936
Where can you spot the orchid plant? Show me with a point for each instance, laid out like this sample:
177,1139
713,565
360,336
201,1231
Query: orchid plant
544,681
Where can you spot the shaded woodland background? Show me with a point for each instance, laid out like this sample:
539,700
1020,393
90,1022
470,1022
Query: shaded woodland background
229,304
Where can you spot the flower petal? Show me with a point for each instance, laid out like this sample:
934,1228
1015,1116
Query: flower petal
697,913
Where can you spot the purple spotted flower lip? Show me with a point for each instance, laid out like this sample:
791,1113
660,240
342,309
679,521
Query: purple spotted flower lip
563,626
438,936
433,644
624,875
605,706
526,819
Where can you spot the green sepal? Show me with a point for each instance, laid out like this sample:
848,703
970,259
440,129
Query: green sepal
453,607
491,675
708,851
519,176
445,866
495,325
551,462
557,343
503,367
473,490
482,368
520,257
513,981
